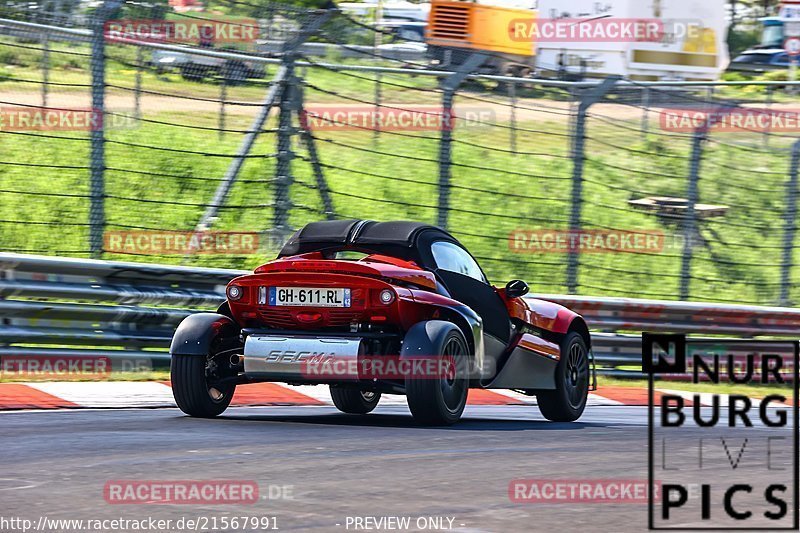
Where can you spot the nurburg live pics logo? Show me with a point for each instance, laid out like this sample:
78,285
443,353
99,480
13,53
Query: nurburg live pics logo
727,459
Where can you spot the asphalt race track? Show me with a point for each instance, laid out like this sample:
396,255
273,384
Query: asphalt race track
339,465
56,464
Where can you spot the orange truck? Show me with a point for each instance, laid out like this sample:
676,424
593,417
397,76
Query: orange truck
457,28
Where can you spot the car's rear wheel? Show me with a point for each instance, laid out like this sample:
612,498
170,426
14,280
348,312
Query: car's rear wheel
440,399
354,401
192,72
195,385
234,72
567,402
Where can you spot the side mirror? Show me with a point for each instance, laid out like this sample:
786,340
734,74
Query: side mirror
517,288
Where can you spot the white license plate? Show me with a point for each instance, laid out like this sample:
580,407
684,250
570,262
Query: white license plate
304,296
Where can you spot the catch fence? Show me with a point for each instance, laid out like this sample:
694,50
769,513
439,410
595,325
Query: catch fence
663,190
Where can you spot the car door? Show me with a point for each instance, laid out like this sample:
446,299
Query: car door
465,282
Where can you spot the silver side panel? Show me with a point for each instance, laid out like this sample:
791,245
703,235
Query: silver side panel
286,356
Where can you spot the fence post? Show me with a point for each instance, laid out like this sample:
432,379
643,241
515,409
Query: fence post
225,186
690,219
97,216
449,87
283,171
512,94
313,155
283,76
790,226
645,112
376,52
769,111
378,97
588,99
137,93
223,96
45,68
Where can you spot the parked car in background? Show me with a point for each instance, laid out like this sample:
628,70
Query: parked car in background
759,61
197,67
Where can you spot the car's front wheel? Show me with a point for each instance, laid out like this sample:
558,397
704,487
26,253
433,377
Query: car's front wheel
440,400
354,401
567,402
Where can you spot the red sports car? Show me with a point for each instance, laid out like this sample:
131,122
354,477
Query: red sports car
382,307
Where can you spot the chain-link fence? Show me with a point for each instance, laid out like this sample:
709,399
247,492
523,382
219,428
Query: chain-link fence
128,141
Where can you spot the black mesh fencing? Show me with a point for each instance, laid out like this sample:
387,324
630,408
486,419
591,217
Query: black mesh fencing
130,131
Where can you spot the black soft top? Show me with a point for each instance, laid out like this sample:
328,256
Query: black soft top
403,239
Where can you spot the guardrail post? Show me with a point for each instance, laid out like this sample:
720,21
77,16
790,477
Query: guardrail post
591,97
790,226
97,217
449,87
690,219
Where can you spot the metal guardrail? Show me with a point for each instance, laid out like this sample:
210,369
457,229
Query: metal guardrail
634,315
124,311
127,312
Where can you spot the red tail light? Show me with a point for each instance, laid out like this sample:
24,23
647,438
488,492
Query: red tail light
309,318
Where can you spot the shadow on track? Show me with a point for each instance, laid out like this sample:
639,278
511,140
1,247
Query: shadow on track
468,423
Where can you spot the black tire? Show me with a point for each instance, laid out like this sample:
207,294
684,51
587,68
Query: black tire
192,72
567,402
440,401
234,72
354,401
191,390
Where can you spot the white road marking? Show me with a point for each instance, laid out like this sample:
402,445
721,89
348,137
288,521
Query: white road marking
110,393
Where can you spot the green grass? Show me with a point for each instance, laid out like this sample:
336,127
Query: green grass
155,375
754,391
376,185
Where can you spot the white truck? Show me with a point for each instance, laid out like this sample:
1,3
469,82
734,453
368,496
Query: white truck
691,45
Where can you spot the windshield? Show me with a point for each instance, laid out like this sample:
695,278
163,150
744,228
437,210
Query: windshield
772,36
